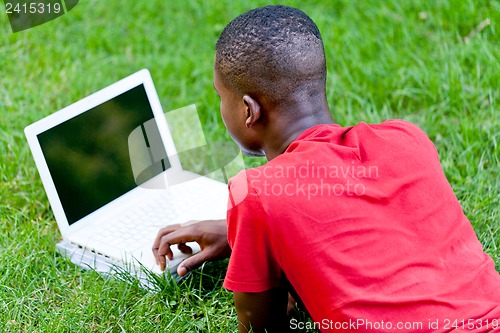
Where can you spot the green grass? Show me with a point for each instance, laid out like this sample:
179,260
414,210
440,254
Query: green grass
386,59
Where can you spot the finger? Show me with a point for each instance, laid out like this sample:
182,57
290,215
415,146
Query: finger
186,249
162,261
194,262
162,232
164,249
182,235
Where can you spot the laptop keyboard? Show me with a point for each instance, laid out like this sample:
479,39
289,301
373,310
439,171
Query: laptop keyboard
133,231
124,231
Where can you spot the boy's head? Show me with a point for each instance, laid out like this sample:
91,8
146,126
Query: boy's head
267,60
269,51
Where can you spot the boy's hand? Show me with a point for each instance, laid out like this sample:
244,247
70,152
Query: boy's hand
210,235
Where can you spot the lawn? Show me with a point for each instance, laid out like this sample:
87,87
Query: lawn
435,63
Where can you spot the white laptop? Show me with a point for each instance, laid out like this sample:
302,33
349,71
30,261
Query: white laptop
113,178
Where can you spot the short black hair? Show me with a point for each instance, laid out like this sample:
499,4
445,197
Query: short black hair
271,51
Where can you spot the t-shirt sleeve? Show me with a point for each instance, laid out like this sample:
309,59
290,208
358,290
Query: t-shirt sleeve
253,266
411,130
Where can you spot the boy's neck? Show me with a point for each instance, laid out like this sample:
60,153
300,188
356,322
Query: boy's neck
284,129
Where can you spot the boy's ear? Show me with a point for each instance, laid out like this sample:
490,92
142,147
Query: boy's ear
252,111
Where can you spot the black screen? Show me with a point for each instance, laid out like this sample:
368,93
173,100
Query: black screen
88,155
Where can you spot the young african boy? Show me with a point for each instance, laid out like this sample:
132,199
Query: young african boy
358,222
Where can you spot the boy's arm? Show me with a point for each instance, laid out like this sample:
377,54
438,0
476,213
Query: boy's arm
262,312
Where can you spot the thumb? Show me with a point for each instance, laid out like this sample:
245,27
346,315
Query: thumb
193,262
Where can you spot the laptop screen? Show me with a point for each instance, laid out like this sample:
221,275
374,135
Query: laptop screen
91,156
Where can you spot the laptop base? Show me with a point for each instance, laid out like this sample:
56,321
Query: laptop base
89,260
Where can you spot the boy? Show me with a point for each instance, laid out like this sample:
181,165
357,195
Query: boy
359,223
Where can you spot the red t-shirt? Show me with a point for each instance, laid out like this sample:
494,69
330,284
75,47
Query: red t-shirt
363,223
